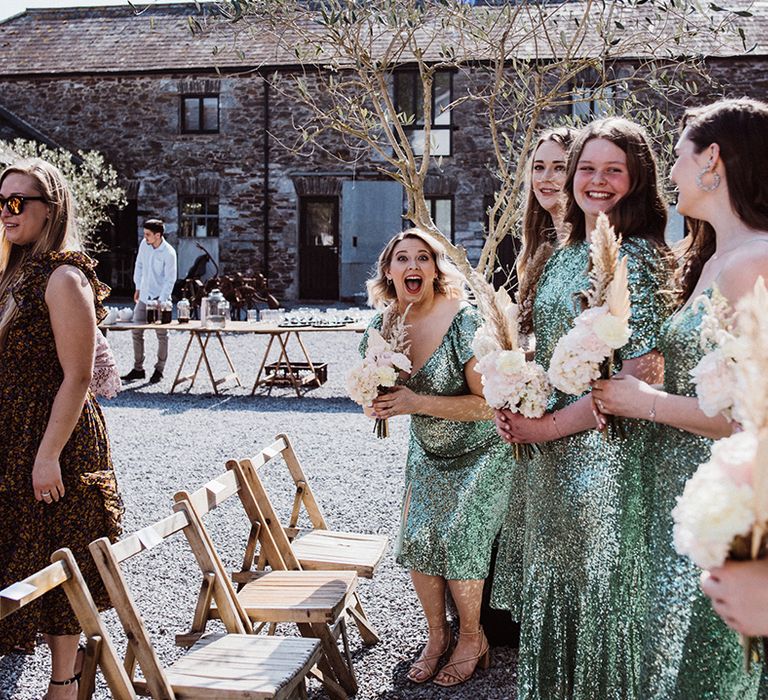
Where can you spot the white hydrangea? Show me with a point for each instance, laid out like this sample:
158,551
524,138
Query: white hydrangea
717,503
577,357
362,383
509,381
576,360
483,343
715,383
378,369
612,330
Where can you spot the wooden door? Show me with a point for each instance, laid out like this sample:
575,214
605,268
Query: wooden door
319,248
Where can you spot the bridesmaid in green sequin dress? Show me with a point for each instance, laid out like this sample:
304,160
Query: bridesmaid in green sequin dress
585,551
457,474
689,652
542,231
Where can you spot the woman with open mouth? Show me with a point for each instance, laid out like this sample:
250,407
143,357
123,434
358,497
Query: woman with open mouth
458,470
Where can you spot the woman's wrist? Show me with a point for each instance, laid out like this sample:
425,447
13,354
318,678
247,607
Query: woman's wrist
555,430
653,404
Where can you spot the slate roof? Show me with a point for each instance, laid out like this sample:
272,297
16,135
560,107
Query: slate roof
115,40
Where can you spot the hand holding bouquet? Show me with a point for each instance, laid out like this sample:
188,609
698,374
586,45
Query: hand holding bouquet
384,360
509,380
585,353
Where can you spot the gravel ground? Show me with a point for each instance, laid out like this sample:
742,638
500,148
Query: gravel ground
162,443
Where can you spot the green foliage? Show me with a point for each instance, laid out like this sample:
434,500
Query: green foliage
92,180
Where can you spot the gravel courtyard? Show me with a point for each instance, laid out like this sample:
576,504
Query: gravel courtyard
162,443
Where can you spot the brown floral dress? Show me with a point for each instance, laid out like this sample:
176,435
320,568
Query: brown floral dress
30,531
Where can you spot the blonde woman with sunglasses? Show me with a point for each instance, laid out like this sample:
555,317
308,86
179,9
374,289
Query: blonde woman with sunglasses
57,484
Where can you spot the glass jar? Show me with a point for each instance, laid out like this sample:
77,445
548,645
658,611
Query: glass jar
166,312
213,316
152,309
182,311
224,312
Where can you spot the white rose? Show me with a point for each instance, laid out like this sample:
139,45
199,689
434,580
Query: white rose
510,361
714,384
386,376
483,344
613,331
710,513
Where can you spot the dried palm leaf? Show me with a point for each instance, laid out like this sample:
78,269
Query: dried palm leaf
604,259
394,328
495,308
527,292
751,349
751,396
617,294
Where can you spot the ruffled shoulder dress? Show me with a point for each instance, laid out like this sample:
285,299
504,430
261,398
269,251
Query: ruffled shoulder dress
30,531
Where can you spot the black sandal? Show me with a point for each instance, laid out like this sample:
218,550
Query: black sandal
80,650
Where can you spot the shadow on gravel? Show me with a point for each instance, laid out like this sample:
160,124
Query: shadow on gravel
173,404
11,668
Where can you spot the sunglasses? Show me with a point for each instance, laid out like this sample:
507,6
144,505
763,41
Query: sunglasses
15,202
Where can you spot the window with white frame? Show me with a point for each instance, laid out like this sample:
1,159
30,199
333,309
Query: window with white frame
198,216
441,209
409,100
590,102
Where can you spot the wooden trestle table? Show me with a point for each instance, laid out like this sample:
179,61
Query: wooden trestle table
300,374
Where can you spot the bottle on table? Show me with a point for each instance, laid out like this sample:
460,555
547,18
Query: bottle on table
152,310
182,311
166,312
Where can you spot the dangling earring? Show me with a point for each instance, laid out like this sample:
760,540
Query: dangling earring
700,180
389,281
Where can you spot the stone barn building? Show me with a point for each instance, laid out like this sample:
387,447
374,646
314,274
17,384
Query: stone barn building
197,139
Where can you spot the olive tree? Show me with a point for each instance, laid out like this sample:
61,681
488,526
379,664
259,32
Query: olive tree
520,59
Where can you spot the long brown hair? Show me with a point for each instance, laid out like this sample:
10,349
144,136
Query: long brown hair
740,128
539,235
641,212
59,231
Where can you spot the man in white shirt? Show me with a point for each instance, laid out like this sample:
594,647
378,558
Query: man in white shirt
154,276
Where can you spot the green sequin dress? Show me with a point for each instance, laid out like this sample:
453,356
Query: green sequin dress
689,652
584,551
457,472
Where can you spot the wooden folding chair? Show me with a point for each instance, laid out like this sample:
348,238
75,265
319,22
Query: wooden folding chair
315,601
99,651
220,667
287,546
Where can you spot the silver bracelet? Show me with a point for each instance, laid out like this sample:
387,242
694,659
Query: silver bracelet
652,412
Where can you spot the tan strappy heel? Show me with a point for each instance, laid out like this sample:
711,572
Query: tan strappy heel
427,665
450,670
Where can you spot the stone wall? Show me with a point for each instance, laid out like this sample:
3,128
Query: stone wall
134,121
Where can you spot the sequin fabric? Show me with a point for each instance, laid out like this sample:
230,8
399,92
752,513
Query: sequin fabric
689,652
457,472
30,530
582,594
